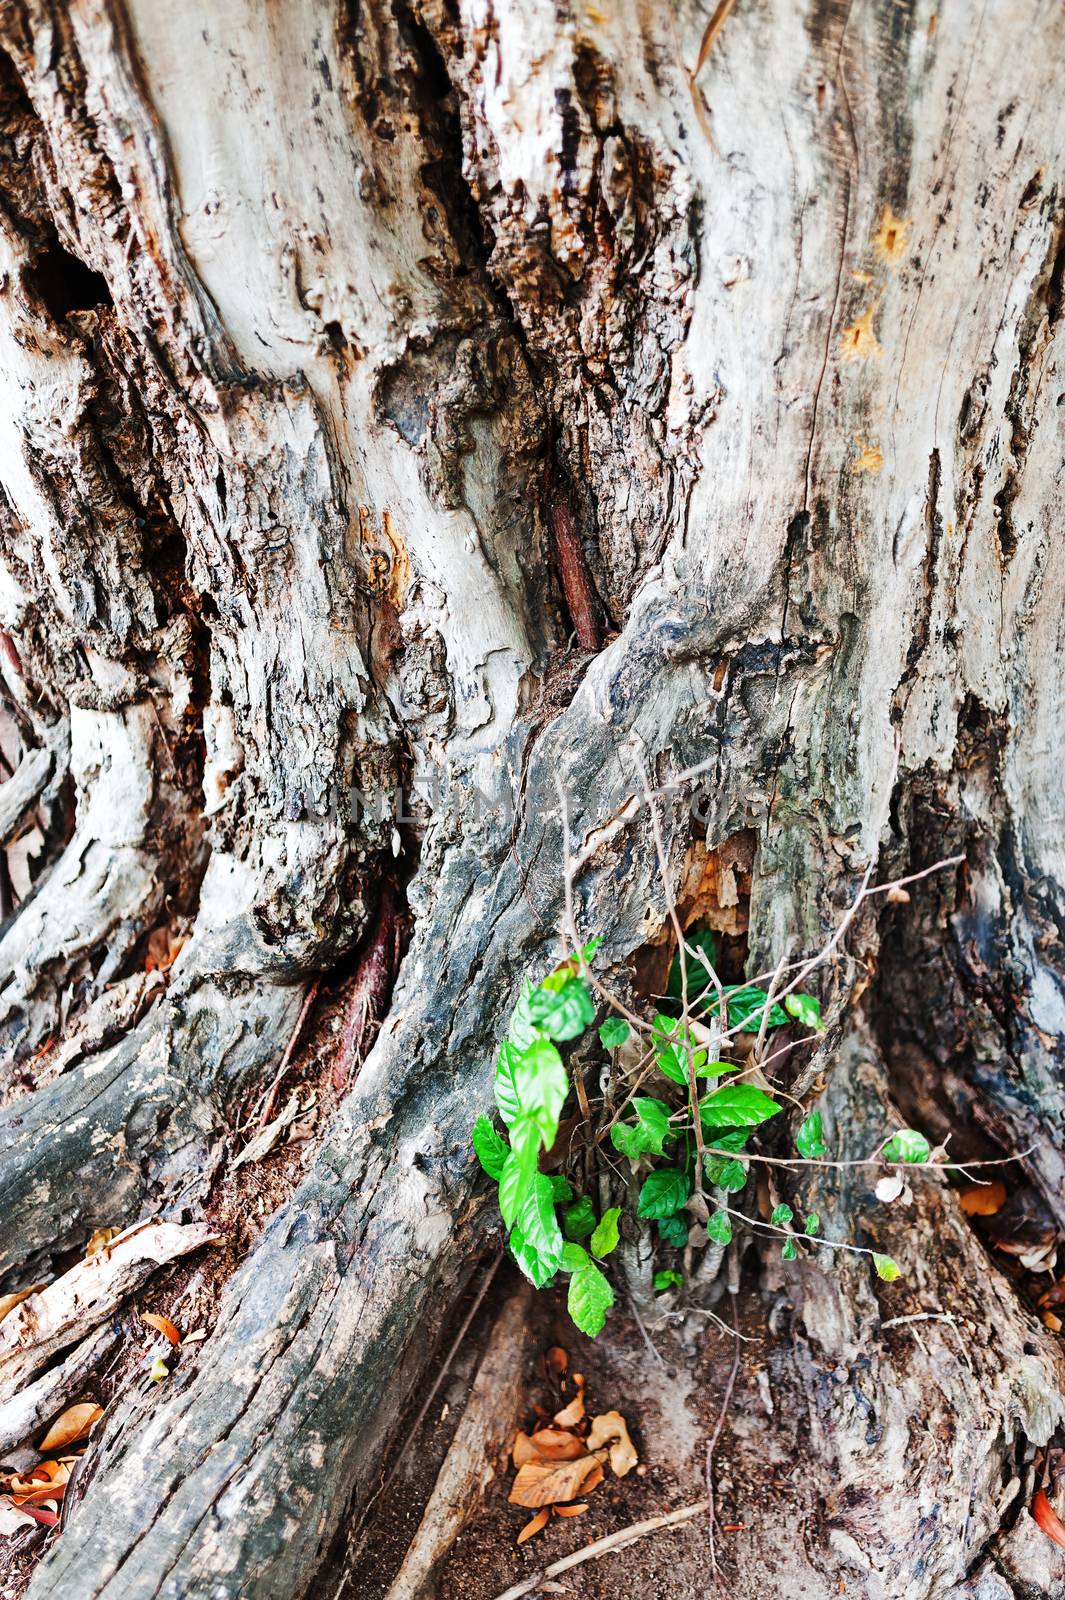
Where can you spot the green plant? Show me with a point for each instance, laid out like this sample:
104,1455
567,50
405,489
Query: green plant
692,1130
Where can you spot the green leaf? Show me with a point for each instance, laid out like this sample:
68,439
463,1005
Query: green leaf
674,1230
719,1227
578,1220
907,1145
805,1009
810,1139
790,1250
813,1223
505,1089
664,1191
886,1268
666,1279
541,1084
574,1257
725,1172
490,1150
674,1046
591,947
781,1215
651,1130
746,1003
652,1123
538,1222
560,1189
521,1030
736,1105
562,1013
516,1178
538,1271
613,1032
589,1299
698,977
605,1237
733,1140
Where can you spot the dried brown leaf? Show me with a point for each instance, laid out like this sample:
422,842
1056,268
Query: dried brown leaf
12,1519
162,1325
74,1424
555,1444
8,1302
593,1480
557,1360
570,1415
544,1483
534,1525
611,1428
523,1449
1052,1322
1048,1519
571,1511
101,1237
983,1199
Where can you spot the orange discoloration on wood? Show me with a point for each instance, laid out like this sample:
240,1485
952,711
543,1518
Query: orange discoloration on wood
891,236
870,457
859,342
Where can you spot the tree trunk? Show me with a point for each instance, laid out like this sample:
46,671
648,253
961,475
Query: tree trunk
475,400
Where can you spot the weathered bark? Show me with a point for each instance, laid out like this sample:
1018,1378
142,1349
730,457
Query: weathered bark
521,394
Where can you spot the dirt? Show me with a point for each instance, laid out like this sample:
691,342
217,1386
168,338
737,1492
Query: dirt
671,1402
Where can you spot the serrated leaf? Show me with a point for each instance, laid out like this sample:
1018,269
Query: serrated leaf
781,1215
574,1257
505,1089
613,1032
886,1268
746,1004
733,1140
562,1013
605,1237
539,1223
810,1139
578,1220
813,1223
535,1269
490,1150
725,1172
719,1227
652,1123
541,1084
805,1009
674,1230
516,1179
626,1139
668,1278
589,1299
907,1145
664,1191
736,1105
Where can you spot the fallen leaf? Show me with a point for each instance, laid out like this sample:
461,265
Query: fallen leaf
47,1481
195,1336
101,1237
889,1189
983,1199
162,1325
523,1450
593,1480
555,1444
898,896
74,1424
611,1426
571,1511
570,1415
8,1302
557,1360
543,1483
12,1519
534,1525
1052,1322
39,1514
159,1370
1048,1519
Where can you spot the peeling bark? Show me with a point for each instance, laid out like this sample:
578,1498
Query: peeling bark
357,357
